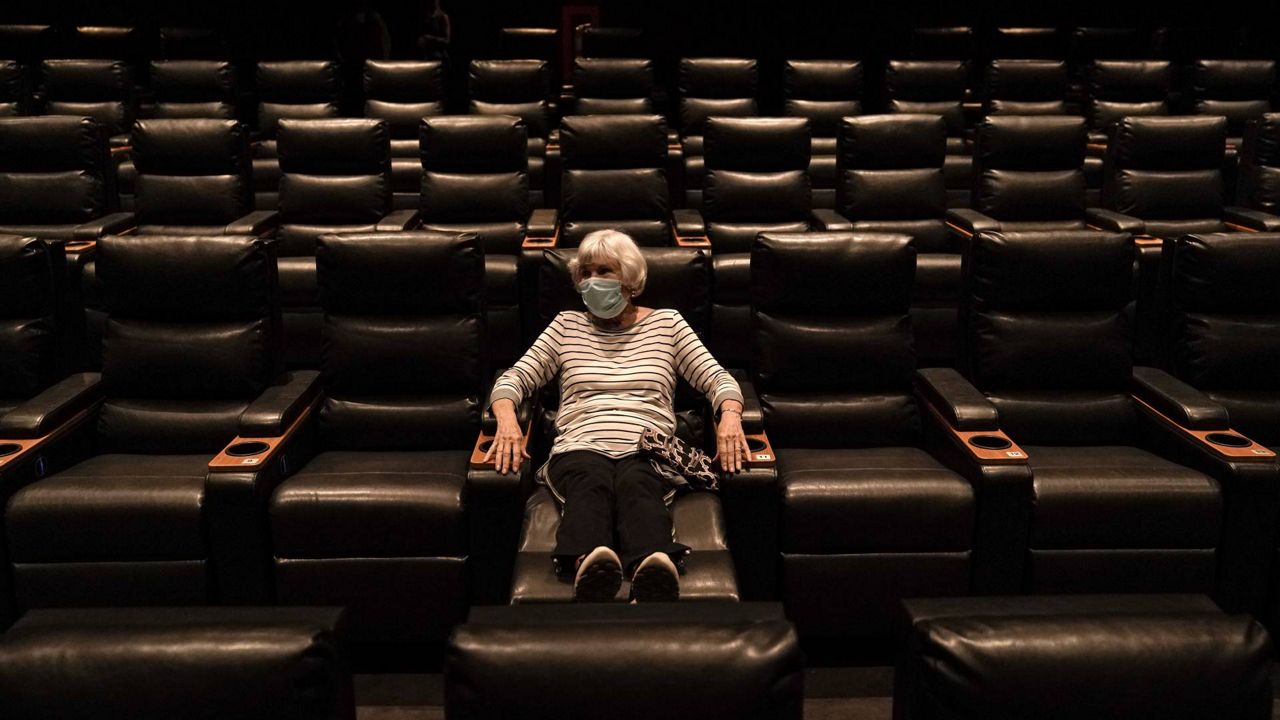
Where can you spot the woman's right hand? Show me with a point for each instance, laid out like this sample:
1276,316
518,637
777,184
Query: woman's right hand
507,451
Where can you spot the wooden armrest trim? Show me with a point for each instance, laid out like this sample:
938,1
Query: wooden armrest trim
121,149
763,456
18,448
1250,452
1147,240
968,441
229,460
693,241
483,442
532,242
959,230
79,246
1239,228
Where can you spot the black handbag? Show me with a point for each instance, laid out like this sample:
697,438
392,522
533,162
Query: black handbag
679,462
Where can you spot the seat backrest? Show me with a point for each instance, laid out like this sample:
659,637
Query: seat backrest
833,347
932,87
612,86
301,89
52,170
891,174
129,42
757,178
194,89
1240,90
333,172
1119,88
1225,304
1166,167
1026,42
1044,333
942,43
100,89
191,172
1030,168
715,87
404,364
1259,185
402,92
11,88
191,338
1025,87
30,355
823,91
475,170
513,87
614,178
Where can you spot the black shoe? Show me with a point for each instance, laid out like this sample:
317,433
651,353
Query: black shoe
598,577
656,580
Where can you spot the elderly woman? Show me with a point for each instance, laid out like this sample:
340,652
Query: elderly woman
618,365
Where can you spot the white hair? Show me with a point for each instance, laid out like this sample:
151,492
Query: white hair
616,246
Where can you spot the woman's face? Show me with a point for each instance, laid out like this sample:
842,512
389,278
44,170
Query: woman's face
599,268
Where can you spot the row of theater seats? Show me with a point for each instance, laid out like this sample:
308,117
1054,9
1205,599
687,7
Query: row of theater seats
1164,179
193,470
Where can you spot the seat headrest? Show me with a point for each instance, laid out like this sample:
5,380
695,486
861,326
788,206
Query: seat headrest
404,80
86,80
337,146
1132,80
823,79
509,81
612,77
927,79
193,80
51,143
1020,142
1080,271
224,278
190,147
757,144
1234,79
474,143
717,77
1027,79
26,277
889,142
841,273
1228,273
613,141
1169,143
402,273
298,81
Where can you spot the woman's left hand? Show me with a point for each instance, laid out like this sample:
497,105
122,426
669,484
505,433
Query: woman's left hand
731,442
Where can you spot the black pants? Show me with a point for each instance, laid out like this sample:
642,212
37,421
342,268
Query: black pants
602,495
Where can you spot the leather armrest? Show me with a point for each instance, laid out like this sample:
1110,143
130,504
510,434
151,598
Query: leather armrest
43,413
689,228
543,229
830,221
957,400
398,221
1113,221
968,222
249,453
279,405
113,224
257,223
1178,401
1246,220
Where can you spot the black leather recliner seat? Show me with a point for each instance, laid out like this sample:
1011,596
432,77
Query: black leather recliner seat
1025,87
706,88
522,88
389,511
296,89
613,86
825,91
936,87
402,92
1123,88
100,89
1239,90
194,89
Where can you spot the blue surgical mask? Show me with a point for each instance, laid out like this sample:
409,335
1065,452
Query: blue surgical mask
603,297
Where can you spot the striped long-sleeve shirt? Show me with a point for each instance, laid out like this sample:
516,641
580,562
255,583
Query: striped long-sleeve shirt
615,383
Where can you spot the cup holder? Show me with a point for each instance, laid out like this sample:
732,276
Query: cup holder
755,444
485,445
1228,440
245,449
990,442
9,449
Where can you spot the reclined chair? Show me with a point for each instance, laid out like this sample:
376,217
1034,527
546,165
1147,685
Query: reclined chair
867,516
100,89
1239,90
402,92
194,89
1025,87
825,91
390,510
612,86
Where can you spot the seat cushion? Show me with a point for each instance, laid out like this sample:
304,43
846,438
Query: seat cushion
872,500
112,508
372,504
1120,497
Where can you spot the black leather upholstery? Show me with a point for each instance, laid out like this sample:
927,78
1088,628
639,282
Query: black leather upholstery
31,350
520,88
1025,87
475,180
194,89
176,376
936,87
1047,341
825,91
335,178
299,89
12,88
833,362
710,87
1259,186
387,518
757,181
53,175
1078,657
402,92
615,178
100,89
1240,90
250,663
1120,88
193,176
1030,170
613,86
